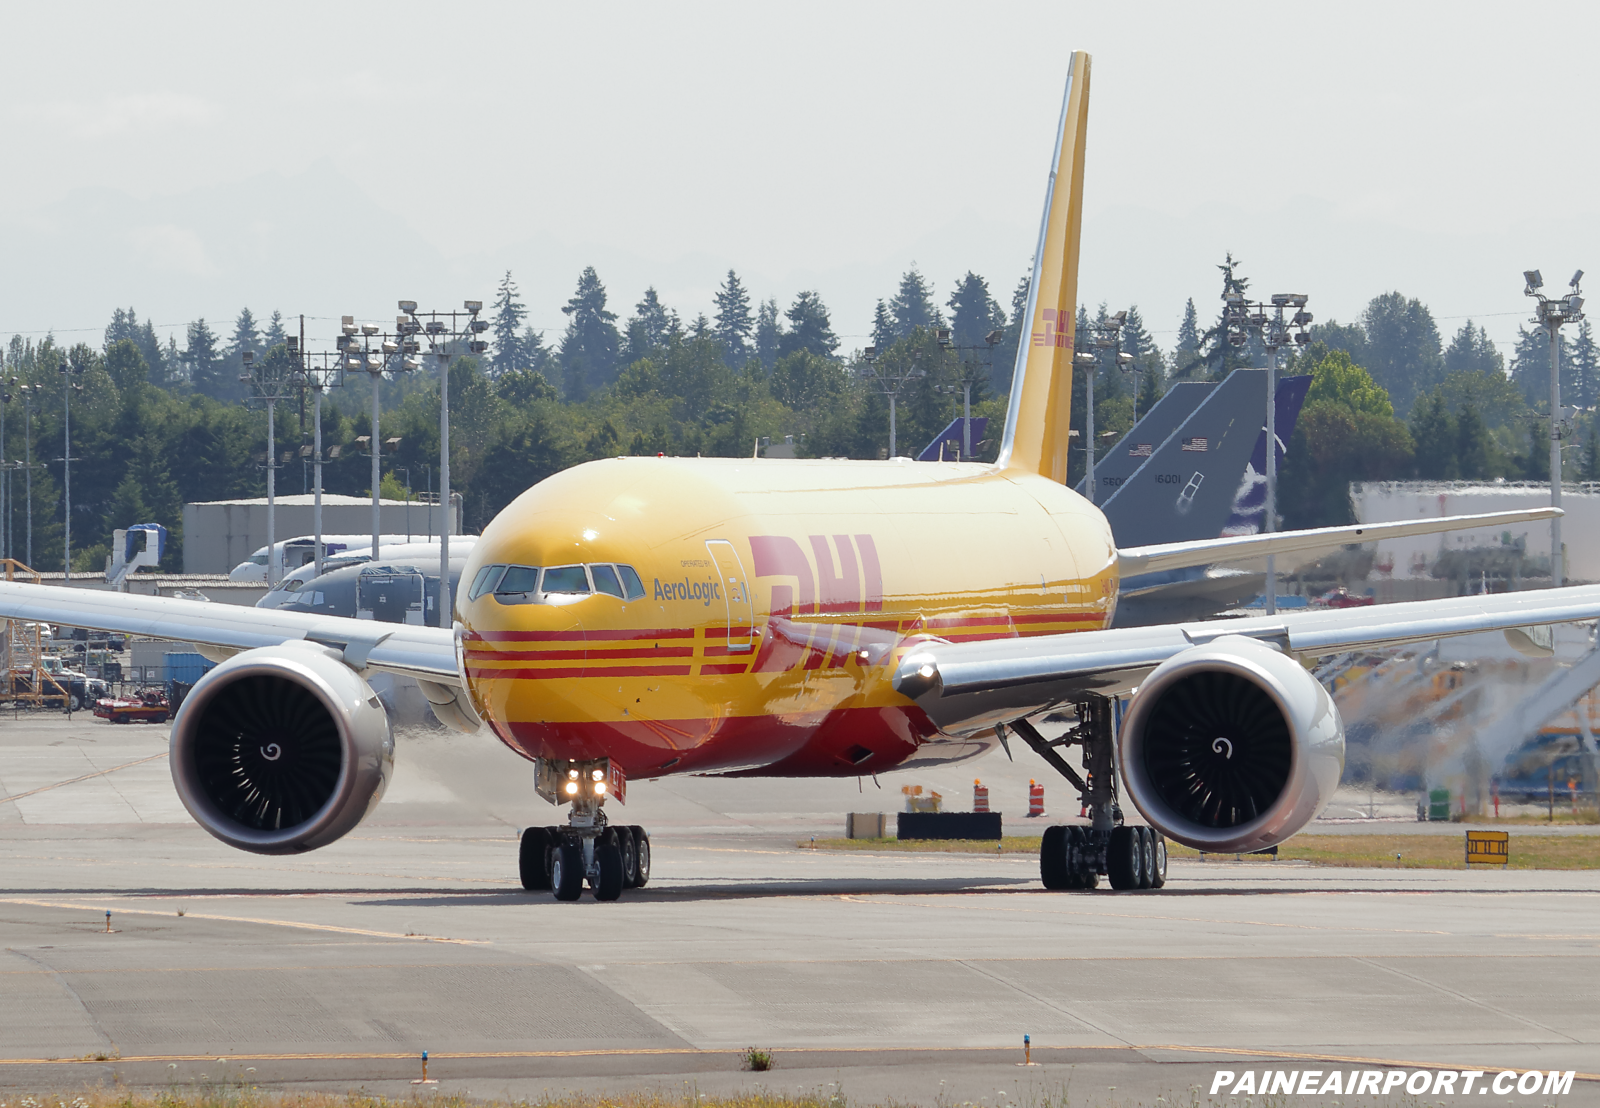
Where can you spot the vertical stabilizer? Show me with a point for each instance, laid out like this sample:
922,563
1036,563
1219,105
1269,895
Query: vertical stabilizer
1040,412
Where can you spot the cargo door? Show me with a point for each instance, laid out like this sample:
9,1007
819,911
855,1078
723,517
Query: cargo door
735,590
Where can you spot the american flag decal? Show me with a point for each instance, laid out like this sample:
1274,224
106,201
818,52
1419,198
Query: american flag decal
1142,450
1196,445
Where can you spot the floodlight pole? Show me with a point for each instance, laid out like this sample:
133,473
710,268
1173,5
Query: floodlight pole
1242,317
1552,314
1110,338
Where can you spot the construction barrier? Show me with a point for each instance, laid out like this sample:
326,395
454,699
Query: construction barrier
980,796
1035,799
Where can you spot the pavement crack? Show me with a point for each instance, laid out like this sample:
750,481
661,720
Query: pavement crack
1474,1001
66,986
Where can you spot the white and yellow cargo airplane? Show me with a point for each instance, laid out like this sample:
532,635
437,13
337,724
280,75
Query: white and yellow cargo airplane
640,617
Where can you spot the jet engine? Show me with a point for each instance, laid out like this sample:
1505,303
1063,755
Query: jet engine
1231,746
281,749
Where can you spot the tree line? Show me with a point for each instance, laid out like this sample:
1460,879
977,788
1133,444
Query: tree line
156,424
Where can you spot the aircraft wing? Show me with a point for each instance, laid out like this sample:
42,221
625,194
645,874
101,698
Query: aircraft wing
426,653
967,687
1203,552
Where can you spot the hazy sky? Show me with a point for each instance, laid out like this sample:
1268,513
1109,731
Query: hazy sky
190,160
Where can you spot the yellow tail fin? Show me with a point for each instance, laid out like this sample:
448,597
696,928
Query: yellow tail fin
1040,413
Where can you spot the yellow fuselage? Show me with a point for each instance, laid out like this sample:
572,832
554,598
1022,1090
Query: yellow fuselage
778,597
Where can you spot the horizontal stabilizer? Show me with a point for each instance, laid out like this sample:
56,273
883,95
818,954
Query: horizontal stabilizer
1177,555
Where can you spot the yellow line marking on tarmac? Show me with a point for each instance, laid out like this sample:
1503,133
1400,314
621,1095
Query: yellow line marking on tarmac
255,919
1243,1052
85,777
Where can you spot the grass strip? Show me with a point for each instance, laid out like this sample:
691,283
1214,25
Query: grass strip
1528,851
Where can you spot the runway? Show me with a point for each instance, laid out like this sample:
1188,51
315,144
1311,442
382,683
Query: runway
912,977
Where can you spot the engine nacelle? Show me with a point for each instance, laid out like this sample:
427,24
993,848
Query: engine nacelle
1231,746
281,749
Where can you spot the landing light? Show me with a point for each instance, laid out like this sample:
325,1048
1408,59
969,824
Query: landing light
572,788
599,788
598,775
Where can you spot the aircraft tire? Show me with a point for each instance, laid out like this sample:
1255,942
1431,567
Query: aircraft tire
630,856
1158,855
1075,852
608,860
1147,857
533,859
1125,858
566,872
1055,869
641,842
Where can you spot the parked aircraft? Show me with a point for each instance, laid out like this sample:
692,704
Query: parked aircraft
641,617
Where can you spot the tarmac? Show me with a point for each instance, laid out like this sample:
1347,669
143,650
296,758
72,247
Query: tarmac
878,976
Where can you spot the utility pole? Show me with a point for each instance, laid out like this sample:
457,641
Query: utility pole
889,383
318,379
444,331
1551,315
969,376
1267,320
67,370
1108,337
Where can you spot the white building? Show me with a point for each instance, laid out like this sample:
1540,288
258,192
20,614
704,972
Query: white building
219,534
1413,559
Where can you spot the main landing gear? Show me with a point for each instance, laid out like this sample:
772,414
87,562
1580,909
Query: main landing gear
1077,857
610,857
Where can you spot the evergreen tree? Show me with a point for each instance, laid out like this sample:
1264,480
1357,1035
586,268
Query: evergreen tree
809,327
1403,350
1530,368
1436,438
735,325
1186,350
1589,470
589,347
173,368
974,314
1348,337
275,333
1005,354
246,336
1219,356
769,333
651,327
536,356
126,365
1474,450
883,335
206,363
912,306
126,325
1473,350
505,325
1585,387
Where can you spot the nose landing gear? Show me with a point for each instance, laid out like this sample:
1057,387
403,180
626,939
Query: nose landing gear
560,859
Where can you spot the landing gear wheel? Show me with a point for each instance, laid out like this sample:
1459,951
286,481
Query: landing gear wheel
533,860
608,861
1125,858
1075,855
566,871
630,856
1158,867
1147,855
1055,865
641,843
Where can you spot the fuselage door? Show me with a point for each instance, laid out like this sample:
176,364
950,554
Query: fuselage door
735,590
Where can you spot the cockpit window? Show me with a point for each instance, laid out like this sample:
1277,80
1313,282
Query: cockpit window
523,584
486,580
566,579
518,579
630,579
605,580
